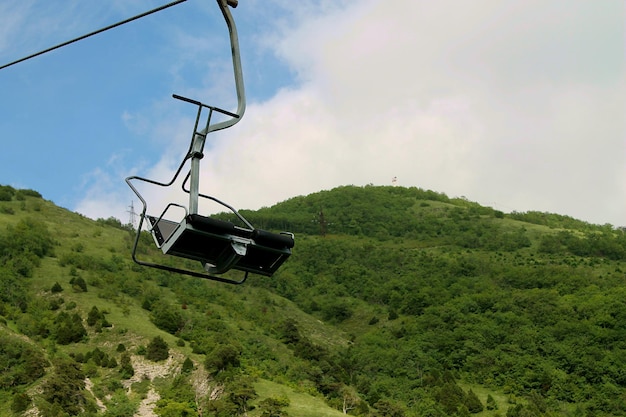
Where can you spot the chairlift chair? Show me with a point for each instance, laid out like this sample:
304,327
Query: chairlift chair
219,245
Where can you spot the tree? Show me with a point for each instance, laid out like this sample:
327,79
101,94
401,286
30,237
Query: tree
450,396
177,399
94,315
69,329
290,334
119,405
472,402
241,393
112,363
386,408
172,408
126,366
56,288
65,387
187,366
157,349
223,357
274,407
463,411
350,399
78,284
28,236
6,193
20,362
20,403
336,311
167,317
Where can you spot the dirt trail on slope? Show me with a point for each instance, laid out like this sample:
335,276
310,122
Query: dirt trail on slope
145,369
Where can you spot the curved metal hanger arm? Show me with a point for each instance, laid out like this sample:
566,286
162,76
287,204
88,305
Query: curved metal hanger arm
234,44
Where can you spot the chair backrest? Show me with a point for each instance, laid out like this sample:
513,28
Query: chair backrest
161,229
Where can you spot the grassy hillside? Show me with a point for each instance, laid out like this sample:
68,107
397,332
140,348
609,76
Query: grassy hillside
395,302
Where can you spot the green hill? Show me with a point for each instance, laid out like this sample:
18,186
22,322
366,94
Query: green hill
395,302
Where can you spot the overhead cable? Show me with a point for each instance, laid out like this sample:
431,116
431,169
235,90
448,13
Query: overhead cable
80,38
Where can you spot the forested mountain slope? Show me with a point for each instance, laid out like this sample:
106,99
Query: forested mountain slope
395,302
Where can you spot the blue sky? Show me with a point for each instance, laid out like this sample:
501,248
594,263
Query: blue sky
518,105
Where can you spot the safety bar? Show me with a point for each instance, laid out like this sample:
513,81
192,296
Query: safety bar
213,108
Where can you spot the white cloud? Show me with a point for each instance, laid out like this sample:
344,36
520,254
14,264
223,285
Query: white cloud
518,105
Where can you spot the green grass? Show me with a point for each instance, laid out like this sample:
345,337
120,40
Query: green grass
6,399
131,323
301,404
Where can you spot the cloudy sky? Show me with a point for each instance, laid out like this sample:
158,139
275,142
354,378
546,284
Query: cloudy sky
518,105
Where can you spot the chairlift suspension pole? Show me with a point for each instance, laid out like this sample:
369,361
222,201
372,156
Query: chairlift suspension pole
199,137
196,155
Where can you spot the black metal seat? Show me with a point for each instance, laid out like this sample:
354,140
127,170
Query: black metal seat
221,245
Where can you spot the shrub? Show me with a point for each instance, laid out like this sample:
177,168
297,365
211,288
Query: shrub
126,366
29,236
336,312
157,349
56,288
221,358
273,407
78,284
6,193
167,318
65,387
187,366
29,193
20,403
21,363
472,402
69,329
94,316
5,196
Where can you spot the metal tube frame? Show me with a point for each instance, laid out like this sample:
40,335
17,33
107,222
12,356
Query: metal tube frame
195,152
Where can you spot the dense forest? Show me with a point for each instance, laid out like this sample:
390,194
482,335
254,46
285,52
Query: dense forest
398,302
